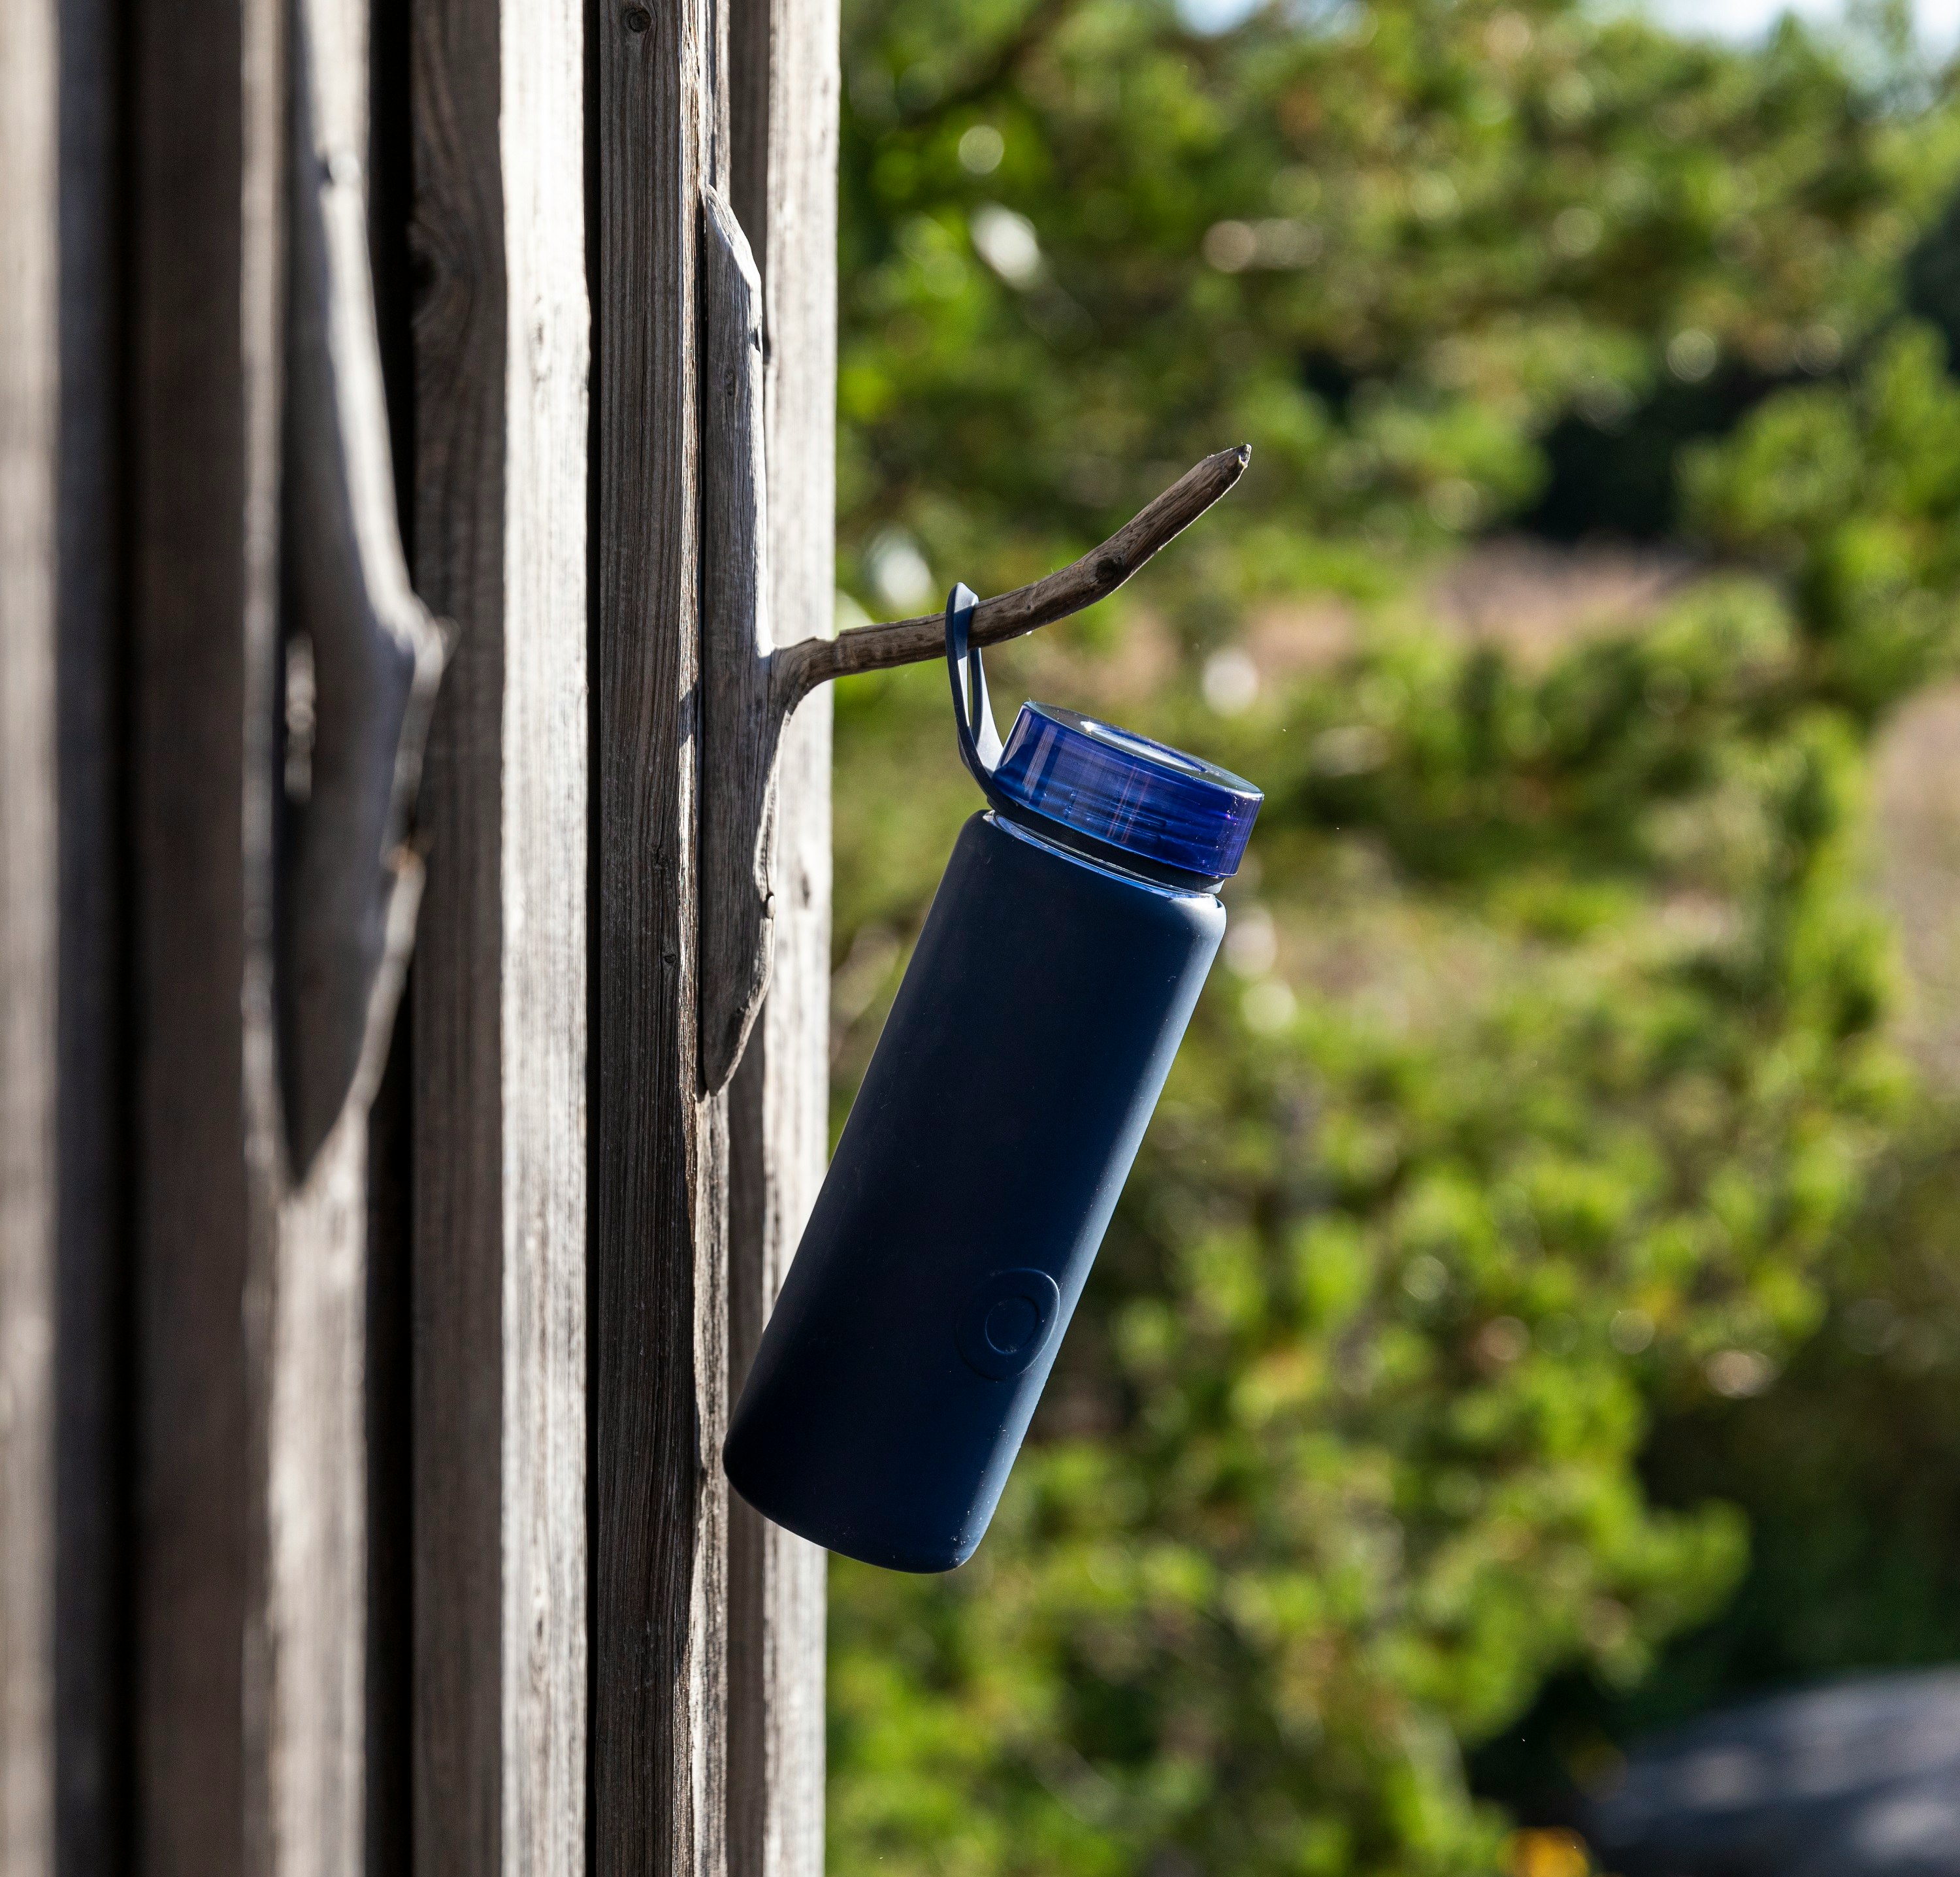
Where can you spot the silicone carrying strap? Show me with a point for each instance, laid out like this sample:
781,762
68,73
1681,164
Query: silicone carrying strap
972,715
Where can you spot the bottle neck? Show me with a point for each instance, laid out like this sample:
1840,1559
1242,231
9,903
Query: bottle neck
1025,825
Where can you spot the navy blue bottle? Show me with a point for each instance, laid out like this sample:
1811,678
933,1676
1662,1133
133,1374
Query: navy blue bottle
1051,984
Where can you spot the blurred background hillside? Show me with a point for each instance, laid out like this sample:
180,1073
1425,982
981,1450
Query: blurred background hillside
1535,1315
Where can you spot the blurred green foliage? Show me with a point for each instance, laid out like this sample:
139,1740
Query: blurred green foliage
1544,1098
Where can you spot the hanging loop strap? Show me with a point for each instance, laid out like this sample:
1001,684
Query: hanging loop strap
972,715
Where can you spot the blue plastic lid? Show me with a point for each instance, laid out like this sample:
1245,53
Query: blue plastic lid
1140,796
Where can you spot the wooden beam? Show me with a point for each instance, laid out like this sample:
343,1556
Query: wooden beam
500,993
455,989
543,980
784,79
659,1349
92,1630
208,174
29,900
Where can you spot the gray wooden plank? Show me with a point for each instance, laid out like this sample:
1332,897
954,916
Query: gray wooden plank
92,1364
317,1516
543,979
500,995
387,1406
207,173
457,228
29,900
776,1580
658,1305
783,63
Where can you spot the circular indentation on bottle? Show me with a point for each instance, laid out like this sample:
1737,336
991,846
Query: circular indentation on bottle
1011,1325
1006,1321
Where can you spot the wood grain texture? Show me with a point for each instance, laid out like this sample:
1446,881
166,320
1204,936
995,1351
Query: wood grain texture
658,1380
455,993
388,1696
778,1103
92,1359
30,368
317,1516
543,989
207,197
783,64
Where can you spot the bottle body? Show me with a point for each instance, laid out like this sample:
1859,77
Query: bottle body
970,1191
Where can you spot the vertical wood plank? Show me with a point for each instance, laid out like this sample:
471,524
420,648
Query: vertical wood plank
777,1580
455,995
785,85
207,265
659,1360
389,1824
500,995
543,992
499,991
29,899
92,1361
316,1515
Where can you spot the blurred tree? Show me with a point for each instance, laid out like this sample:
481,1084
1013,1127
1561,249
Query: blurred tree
1541,1090
1389,246
1848,1472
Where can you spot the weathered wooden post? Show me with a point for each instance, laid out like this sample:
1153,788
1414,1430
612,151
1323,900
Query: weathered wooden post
707,1630
499,1047
231,1603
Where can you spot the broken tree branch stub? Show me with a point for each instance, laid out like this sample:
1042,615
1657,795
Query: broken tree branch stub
799,668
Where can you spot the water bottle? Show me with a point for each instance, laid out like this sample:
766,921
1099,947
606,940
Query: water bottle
1029,1040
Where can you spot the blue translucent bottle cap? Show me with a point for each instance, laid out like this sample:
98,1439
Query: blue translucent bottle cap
1132,793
